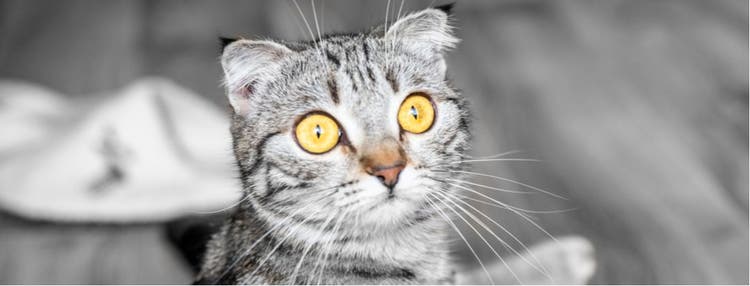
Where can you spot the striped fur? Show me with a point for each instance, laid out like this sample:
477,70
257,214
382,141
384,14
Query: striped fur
319,218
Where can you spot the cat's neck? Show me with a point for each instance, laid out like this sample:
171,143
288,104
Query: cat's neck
416,252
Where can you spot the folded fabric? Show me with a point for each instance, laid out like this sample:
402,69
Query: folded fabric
152,151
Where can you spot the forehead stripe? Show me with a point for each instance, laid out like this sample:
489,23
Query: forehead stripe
333,88
366,50
370,74
333,58
392,80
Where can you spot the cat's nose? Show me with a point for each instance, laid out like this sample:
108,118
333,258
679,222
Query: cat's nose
388,175
384,160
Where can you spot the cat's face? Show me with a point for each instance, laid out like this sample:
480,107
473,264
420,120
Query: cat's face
351,126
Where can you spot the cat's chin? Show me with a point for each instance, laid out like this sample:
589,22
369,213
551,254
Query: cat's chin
390,212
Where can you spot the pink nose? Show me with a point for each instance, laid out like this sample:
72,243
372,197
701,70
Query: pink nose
388,175
384,159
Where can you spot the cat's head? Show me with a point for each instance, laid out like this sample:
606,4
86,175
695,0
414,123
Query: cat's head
353,125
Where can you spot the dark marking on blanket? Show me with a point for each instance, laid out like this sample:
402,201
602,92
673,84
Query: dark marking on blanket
114,154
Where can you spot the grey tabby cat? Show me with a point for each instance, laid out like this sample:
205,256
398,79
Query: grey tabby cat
342,145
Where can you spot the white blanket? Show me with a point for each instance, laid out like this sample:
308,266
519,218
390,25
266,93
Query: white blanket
149,152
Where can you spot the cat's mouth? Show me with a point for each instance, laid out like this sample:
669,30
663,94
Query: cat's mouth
389,199
394,207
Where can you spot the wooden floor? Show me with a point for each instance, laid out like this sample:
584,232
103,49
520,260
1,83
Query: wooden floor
638,111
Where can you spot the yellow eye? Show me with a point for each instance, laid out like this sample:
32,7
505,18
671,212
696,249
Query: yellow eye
416,113
317,133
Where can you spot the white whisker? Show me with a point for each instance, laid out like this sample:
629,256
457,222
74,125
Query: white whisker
385,36
400,7
244,198
309,246
455,228
516,208
387,11
446,199
507,180
487,187
315,17
510,208
496,160
498,155
257,241
312,36
291,232
320,36
329,245
540,267
269,232
506,206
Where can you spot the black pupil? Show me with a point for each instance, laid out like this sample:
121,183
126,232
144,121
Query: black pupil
318,131
413,112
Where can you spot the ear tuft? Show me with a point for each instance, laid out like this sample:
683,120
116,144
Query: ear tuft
247,66
224,42
447,8
429,28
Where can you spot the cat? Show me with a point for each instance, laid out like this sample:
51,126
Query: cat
344,146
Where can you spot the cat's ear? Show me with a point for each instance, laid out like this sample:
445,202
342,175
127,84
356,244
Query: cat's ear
429,28
248,65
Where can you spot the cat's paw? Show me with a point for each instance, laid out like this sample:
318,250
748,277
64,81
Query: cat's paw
569,260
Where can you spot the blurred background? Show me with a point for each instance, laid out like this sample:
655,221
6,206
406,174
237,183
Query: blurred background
637,111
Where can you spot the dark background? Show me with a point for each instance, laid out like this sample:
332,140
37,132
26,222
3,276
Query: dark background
638,111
